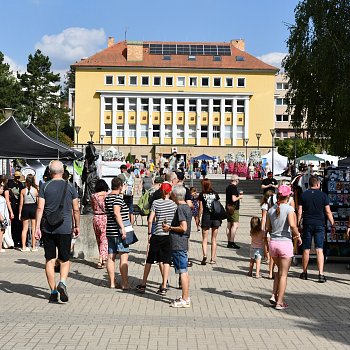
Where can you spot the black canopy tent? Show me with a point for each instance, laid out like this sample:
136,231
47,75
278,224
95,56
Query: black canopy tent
202,157
344,162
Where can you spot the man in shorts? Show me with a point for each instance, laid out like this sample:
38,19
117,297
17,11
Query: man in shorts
57,239
313,209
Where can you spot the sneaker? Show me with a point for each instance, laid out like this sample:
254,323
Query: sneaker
272,300
303,276
162,291
322,279
62,289
53,298
180,303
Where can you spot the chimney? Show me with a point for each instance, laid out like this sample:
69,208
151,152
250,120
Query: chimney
110,41
134,51
238,44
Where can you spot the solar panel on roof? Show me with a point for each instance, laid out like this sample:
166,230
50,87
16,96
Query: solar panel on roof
184,49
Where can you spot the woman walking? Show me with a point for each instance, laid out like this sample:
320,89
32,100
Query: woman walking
281,223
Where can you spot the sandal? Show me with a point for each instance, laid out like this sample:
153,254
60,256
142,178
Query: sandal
204,260
213,262
162,291
250,274
99,265
281,306
141,288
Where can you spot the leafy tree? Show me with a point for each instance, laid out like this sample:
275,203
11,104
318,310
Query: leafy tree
287,147
318,66
69,82
10,90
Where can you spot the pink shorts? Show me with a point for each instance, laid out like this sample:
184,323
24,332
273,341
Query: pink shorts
281,249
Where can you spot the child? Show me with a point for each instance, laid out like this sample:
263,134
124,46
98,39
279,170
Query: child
256,247
194,199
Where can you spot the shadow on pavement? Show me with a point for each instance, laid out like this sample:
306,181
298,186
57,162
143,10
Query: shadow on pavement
25,289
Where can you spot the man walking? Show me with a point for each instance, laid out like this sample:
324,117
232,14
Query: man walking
57,197
313,208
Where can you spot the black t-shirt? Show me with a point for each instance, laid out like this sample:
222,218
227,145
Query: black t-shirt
267,182
313,203
232,190
207,200
15,191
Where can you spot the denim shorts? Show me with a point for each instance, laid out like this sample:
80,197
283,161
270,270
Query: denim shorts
115,245
180,261
256,253
317,232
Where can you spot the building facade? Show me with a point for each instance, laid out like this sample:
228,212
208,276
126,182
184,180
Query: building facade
202,96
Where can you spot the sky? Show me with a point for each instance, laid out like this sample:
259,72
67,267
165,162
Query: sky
68,30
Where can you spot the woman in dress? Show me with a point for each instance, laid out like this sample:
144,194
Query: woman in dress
206,199
99,221
4,216
27,211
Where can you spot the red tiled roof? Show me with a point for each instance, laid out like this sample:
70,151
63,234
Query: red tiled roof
116,56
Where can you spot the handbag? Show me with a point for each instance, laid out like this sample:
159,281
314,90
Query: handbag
230,209
131,237
219,212
7,240
56,218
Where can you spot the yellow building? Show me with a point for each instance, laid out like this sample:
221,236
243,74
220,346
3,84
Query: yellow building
198,97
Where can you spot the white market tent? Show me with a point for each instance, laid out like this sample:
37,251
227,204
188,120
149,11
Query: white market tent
328,157
280,162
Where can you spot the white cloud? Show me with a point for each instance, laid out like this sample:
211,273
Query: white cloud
15,67
273,58
71,45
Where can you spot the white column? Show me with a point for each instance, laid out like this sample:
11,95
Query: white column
174,128
222,122
138,120
114,119
210,123
234,122
187,111
246,118
102,116
126,119
198,121
150,120
162,120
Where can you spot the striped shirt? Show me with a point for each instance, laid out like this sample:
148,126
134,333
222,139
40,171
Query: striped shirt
112,225
165,210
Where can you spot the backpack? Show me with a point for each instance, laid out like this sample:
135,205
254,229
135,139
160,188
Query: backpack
143,203
129,180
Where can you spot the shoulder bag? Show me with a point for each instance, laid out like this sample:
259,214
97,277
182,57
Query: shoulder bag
56,218
131,237
219,212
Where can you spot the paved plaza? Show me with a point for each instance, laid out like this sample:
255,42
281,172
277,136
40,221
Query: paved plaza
229,310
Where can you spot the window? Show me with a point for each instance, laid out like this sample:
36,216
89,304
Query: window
228,131
169,81
181,105
157,81
109,79
240,132
168,131
281,102
156,130
144,104
205,81
282,118
241,82
240,106
216,105
192,131
119,130
180,131
168,104
108,103
132,130
282,86
193,105
217,58
132,104
167,58
133,80
120,104
144,130
228,106
181,81
205,105
229,82
108,129
191,58
144,81
204,131
217,82
156,104
121,80
193,81
216,132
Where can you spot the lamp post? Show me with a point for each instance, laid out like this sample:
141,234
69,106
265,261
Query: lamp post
91,133
258,135
295,151
246,150
8,112
58,123
77,129
273,133
101,141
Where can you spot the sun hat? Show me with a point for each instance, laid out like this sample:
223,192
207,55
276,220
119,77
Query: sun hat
285,190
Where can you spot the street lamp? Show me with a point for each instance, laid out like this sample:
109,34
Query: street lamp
258,135
91,133
101,141
273,133
58,123
295,151
77,129
246,150
8,112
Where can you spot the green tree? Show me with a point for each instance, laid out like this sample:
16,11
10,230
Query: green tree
10,90
69,82
318,66
287,147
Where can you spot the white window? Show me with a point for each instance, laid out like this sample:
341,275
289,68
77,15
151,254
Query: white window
180,131
132,104
180,105
216,132
216,105
120,130
193,81
168,131
121,80
228,106
108,103
168,104
157,81
229,82
193,105
144,81
144,130
181,81
205,105
281,102
133,80
156,104
228,131
192,131
108,129
240,132
204,81
240,106
120,104
204,131
132,130
217,82
241,82
156,130
144,104
169,81
282,86
109,79
282,118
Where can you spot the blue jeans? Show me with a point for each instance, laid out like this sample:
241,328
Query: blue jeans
315,231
